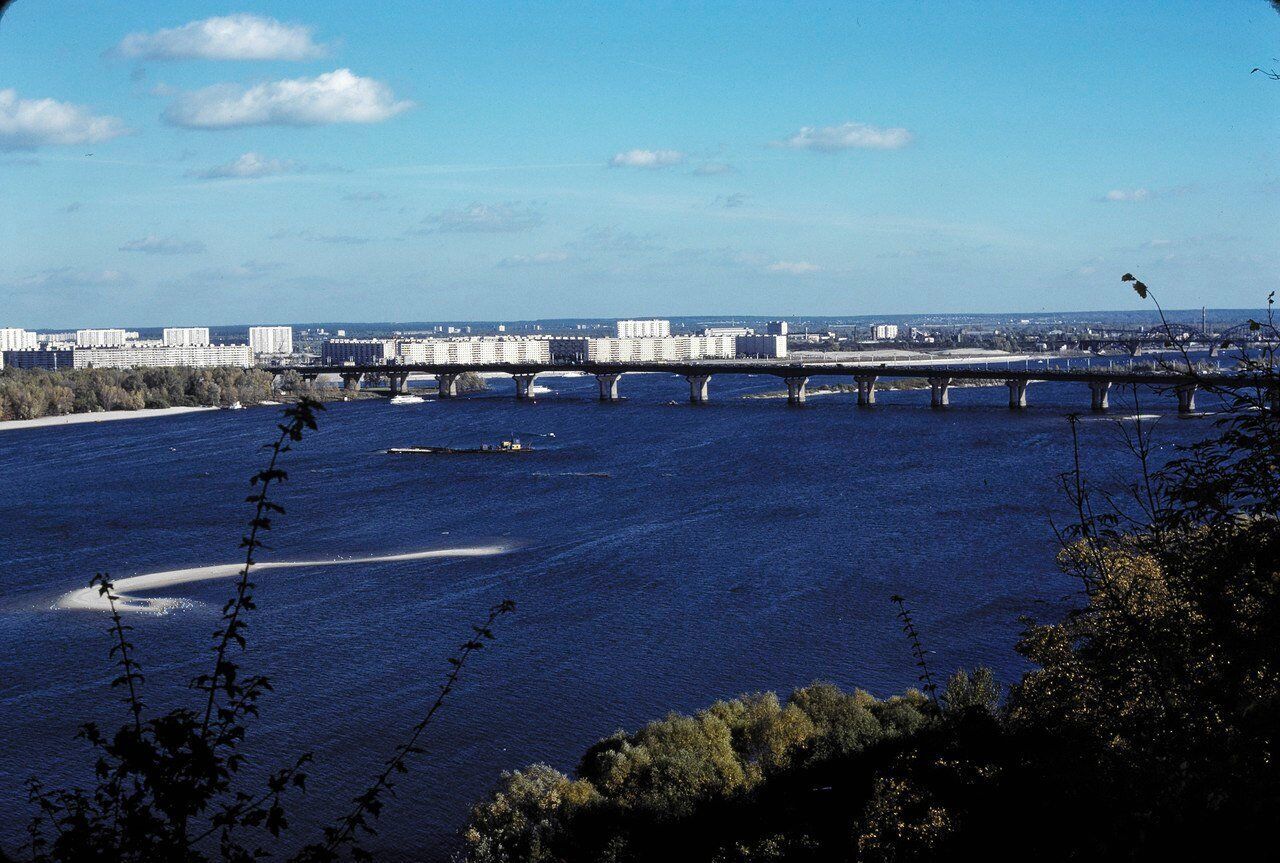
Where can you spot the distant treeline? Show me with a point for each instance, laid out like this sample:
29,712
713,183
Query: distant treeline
34,393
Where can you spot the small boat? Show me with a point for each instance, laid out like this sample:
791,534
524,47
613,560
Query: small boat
406,400
235,406
507,446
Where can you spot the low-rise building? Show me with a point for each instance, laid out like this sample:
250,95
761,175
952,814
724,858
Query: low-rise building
357,352
761,346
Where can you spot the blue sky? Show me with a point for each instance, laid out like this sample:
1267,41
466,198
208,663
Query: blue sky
405,161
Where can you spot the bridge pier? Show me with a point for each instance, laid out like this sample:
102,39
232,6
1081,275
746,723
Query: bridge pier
399,383
1099,389
1186,398
698,388
609,386
866,389
448,383
938,387
351,381
1017,392
524,386
797,389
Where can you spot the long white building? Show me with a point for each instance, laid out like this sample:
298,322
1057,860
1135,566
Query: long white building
151,356
271,340
477,350
634,350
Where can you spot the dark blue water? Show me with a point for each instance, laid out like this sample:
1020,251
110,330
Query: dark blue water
734,547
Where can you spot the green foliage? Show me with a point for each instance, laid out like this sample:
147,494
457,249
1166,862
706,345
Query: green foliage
35,393
471,382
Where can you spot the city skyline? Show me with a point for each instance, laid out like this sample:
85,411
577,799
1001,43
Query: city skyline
203,163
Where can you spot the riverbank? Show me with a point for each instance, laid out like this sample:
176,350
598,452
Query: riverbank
98,417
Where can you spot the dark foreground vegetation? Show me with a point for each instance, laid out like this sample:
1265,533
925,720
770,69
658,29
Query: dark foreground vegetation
1146,729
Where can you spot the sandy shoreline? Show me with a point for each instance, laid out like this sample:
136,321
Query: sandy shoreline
97,417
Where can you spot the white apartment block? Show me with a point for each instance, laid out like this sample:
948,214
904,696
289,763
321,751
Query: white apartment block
883,332
641,350
15,339
105,338
185,336
150,356
761,346
473,351
271,340
647,329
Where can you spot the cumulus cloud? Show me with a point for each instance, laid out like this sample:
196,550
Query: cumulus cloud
231,37
485,219
540,259
246,166
26,124
847,136
793,267
647,159
334,97
153,245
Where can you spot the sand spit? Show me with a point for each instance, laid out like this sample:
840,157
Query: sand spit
87,598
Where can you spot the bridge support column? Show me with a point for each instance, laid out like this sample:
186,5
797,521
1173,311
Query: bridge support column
866,389
524,386
1186,398
1017,393
698,388
938,387
1099,389
609,386
448,383
351,381
797,389
399,383
310,378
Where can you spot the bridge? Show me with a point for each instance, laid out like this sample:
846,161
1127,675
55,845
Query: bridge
796,376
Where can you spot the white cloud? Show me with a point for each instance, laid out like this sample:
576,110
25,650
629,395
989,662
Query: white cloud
647,159
334,97
847,136
26,124
1128,195
233,37
795,268
540,259
246,166
711,169
153,245
238,272
486,219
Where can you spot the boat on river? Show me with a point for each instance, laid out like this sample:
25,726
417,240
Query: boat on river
505,447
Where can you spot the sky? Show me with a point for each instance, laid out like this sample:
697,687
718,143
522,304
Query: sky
203,163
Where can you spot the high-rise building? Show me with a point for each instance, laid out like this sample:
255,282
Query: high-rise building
185,336
271,340
15,339
101,338
776,328
884,332
357,352
654,328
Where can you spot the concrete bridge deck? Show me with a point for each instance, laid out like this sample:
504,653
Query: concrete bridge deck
698,373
